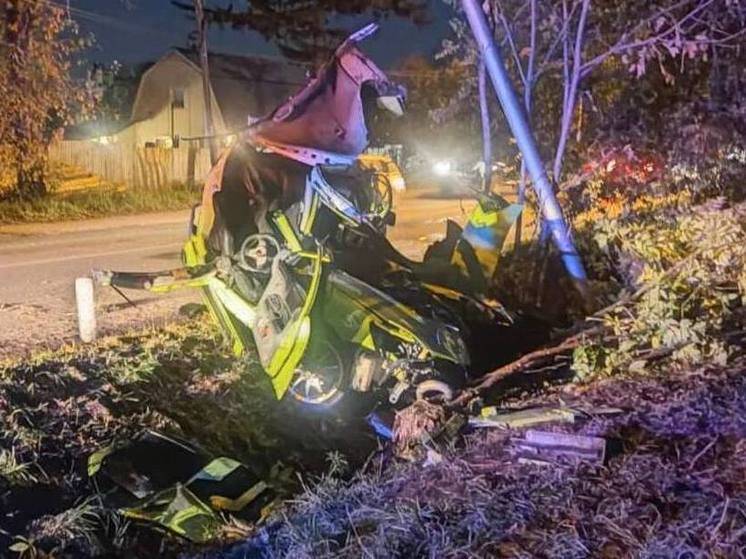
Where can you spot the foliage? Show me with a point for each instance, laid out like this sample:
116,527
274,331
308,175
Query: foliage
76,526
97,202
13,471
301,29
113,88
687,265
38,97
430,89
708,155
663,494
572,60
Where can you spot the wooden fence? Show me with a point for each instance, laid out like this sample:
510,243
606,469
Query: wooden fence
149,167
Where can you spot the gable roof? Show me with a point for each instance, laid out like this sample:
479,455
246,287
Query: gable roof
242,85
249,85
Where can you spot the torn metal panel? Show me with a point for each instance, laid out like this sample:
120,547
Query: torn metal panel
549,447
169,483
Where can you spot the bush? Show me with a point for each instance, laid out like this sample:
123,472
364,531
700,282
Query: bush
681,270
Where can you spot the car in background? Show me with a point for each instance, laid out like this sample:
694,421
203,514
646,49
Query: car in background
385,169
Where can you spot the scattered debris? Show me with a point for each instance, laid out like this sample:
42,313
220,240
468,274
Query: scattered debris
491,417
168,482
678,489
546,447
413,426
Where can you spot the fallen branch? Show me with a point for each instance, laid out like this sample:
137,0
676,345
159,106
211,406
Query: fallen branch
575,336
525,362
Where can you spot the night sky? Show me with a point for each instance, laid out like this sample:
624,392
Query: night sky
133,31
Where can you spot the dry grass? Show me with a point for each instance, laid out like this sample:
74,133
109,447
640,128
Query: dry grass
98,202
59,407
675,488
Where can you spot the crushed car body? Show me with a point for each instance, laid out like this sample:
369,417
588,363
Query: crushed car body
290,251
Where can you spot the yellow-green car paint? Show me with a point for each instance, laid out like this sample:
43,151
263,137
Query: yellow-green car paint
227,307
486,231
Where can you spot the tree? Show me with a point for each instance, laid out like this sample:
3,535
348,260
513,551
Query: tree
112,88
556,46
304,30
38,97
430,87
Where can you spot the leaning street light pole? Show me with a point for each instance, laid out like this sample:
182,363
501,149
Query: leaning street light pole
521,129
484,114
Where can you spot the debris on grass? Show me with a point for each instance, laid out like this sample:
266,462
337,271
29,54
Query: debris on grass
547,447
415,425
60,407
676,487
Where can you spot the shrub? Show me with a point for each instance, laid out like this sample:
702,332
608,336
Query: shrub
682,273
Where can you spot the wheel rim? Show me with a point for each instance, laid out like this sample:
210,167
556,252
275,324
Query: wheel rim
318,378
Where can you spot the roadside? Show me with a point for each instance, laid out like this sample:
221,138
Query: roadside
673,485
39,264
668,407
101,201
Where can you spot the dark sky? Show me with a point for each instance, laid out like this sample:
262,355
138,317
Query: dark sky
132,31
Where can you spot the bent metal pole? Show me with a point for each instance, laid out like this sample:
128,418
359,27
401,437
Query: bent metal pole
519,125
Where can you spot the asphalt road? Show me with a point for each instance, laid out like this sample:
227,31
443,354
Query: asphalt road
39,264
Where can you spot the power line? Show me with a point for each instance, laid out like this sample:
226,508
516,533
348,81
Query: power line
95,17
139,29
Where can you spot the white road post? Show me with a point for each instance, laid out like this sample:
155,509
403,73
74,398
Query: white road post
86,305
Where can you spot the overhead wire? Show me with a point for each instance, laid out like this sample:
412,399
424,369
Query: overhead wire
95,17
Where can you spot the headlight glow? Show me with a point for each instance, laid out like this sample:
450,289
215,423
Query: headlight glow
442,167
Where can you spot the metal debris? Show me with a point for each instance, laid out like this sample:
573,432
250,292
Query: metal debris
549,447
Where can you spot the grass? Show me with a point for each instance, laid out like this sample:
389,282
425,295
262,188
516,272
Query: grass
675,486
12,471
97,202
58,407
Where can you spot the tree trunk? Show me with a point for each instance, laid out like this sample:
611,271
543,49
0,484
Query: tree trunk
571,97
528,91
515,115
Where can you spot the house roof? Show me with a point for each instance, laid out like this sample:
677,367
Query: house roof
249,85
242,85
125,89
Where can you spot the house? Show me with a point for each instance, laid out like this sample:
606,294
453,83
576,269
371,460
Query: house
169,103
164,138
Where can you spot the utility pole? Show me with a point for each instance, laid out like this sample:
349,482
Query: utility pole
521,129
199,13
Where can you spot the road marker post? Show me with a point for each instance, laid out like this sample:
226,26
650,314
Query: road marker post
86,307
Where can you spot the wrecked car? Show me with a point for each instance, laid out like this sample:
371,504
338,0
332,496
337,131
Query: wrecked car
290,251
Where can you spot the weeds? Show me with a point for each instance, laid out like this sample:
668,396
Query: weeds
687,264
97,202
76,524
675,489
14,472
61,406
